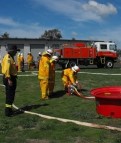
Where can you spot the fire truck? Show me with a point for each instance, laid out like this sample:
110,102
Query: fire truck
103,54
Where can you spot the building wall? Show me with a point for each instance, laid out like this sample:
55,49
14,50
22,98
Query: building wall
26,51
3,51
35,49
32,45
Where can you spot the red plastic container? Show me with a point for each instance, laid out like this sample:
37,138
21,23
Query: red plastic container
108,101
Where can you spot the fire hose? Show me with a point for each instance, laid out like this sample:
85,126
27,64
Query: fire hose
74,90
93,125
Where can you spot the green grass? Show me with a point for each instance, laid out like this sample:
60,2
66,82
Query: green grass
25,128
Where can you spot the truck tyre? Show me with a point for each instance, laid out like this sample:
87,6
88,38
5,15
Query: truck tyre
109,64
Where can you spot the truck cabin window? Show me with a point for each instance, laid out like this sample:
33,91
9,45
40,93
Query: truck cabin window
103,47
113,47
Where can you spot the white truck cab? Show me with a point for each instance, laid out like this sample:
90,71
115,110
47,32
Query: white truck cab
106,46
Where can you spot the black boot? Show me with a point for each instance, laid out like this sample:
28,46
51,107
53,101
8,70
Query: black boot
8,112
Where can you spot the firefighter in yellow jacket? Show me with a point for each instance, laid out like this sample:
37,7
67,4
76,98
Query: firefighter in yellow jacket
38,59
44,73
29,60
69,77
9,72
22,62
53,61
19,61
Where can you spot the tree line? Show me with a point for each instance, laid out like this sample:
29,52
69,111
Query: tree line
48,34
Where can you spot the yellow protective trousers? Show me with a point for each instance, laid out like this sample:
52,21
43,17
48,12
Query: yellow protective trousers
44,85
66,83
51,86
19,66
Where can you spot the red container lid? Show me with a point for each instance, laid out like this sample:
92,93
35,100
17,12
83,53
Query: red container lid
109,92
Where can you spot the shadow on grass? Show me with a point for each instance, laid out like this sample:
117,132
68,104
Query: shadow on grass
58,94
84,90
28,108
61,93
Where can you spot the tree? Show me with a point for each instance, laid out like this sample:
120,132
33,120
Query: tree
73,38
5,35
119,51
52,34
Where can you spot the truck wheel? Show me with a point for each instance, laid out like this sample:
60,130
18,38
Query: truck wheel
109,64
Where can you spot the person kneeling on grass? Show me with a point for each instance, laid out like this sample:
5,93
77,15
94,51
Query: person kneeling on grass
69,77
70,82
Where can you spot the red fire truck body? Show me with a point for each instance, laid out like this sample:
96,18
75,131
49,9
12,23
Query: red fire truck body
102,54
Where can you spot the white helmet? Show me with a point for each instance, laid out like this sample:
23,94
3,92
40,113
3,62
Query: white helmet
49,52
21,54
40,53
55,58
75,68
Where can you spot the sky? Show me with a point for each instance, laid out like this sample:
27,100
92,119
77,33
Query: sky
79,19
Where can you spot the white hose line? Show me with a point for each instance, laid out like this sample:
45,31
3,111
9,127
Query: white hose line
26,75
93,125
89,97
99,73
94,73
2,85
34,74
23,75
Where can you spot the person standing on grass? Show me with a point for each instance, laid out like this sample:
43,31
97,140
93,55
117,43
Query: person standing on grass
9,72
69,77
53,61
44,73
19,61
29,60
22,62
38,59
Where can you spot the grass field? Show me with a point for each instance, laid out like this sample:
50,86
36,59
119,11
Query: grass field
25,128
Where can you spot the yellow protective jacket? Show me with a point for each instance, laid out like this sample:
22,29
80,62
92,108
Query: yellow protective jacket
69,76
29,58
44,68
22,59
8,66
18,59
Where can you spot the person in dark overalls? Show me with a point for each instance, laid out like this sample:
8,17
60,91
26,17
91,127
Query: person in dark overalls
9,72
